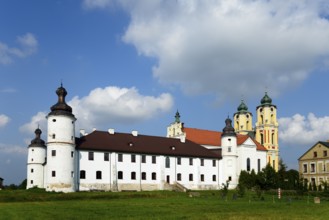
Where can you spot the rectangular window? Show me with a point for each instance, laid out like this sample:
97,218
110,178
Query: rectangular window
167,162
143,158
179,176
191,161
201,162
214,178
90,155
179,161
133,158
133,175
154,176
154,159
214,163
82,174
31,181
120,158
229,149
120,175
258,165
106,156
72,153
143,176
72,174
229,178
325,153
53,173
32,170
312,167
304,168
315,154
53,153
190,177
202,177
98,175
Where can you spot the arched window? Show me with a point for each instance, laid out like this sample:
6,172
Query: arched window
82,174
248,164
261,139
167,162
99,175
272,138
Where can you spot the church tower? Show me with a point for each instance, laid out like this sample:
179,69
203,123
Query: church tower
243,120
61,173
229,154
175,129
267,130
36,160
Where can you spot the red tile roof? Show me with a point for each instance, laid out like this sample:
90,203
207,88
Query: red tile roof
142,144
213,138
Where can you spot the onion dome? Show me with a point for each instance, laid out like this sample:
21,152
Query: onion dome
242,107
177,117
266,100
228,130
61,108
37,141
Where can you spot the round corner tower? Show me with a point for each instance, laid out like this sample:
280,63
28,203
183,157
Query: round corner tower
61,171
36,160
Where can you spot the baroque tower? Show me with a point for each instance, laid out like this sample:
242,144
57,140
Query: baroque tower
36,160
175,129
267,130
61,173
243,120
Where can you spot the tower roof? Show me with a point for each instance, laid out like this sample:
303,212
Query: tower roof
61,108
266,101
177,117
228,130
37,141
242,107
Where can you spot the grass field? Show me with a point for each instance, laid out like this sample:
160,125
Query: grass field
37,204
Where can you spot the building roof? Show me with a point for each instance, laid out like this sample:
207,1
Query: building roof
324,143
142,144
213,138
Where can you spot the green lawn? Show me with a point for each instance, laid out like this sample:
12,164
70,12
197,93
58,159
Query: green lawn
22,204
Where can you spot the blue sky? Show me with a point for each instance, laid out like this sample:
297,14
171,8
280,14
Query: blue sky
129,65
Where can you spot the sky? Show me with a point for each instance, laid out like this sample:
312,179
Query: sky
130,65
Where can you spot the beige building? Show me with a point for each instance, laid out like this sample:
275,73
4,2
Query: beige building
314,163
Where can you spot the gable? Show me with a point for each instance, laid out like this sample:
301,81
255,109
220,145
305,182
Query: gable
316,151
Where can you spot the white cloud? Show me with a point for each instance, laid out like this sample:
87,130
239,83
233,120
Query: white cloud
228,47
4,120
28,46
12,149
305,131
91,4
38,120
105,106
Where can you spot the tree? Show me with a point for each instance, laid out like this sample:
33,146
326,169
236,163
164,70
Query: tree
267,179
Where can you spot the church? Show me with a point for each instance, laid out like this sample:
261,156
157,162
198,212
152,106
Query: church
187,159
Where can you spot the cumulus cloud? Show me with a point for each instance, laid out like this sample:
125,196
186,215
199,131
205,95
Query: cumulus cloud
12,149
105,106
4,119
229,47
305,131
91,4
28,45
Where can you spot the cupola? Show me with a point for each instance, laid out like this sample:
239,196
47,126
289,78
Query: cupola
242,107
37,141
266,100
61,108
228,130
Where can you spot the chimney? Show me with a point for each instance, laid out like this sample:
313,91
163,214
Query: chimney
134,133
182,138
82,132
111,131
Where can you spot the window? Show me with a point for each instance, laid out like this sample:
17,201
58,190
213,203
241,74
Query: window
106,157
72,174
229,149
133,158
190,177
143,176
154,176
120,175
167,162
214,163
179,176
229,178
258,165
53,173
201,162
32,170
90,155
133,175
120,158
191,161
54,120
31,181
315,154
72,153
154,159
312,167
143,158
325,153
54,136
214,178
202,177
98,175
82,174
179,160
261,138
53,153
248,164
305,168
